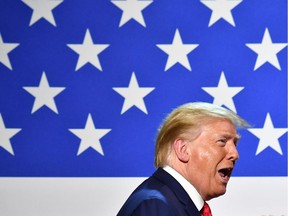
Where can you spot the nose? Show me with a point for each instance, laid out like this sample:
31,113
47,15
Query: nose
233,154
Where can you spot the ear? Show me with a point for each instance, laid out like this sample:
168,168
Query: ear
182,150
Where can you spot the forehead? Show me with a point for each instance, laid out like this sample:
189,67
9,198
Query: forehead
212,128
219,125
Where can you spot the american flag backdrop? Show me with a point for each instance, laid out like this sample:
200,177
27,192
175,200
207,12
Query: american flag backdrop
84,85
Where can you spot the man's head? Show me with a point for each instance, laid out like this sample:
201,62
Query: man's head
199,141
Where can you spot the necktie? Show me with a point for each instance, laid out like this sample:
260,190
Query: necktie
206,211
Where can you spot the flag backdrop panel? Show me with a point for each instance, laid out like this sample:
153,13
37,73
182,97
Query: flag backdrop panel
84,85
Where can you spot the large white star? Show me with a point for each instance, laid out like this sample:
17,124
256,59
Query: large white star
177,52
5,48
90,136
223,94
221,9
44,94
268,136
134,95
5,135
267,51
88,51
42,9
132,9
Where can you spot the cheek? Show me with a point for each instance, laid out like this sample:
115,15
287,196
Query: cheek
209,158
202,159
208,154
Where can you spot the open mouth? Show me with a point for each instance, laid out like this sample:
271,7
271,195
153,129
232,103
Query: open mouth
225,174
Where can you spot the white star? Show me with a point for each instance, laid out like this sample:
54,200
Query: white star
268,136
5,135
134,95
221,9
5,48
42,9
132,9
88,52
223,94
267,51
90,136
44,94
177,52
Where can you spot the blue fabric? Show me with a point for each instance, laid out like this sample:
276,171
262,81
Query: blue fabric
159,195
140,196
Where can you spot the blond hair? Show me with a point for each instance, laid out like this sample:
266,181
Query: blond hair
186,117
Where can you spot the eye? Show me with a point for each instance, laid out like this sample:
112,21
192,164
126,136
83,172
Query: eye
222,141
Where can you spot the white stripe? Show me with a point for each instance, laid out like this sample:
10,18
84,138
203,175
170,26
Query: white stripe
249,196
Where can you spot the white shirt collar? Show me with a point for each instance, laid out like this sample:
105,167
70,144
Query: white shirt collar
189,188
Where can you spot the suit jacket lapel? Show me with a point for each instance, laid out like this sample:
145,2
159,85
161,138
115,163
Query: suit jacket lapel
178,190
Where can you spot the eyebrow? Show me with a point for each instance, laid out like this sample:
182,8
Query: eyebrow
238,136
235,139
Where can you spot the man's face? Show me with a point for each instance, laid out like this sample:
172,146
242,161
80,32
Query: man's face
212,158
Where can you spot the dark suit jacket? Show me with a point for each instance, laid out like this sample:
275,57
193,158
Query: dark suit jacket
159,195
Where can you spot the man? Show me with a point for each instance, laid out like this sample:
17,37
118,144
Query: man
195,155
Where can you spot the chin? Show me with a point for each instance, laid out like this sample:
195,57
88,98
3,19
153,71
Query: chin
222,192
218,193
